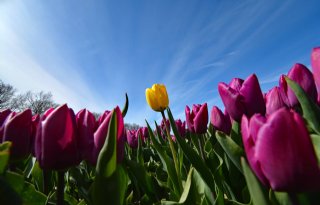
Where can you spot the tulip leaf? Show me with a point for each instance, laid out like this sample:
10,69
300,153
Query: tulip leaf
257,194
125,107
196,191
311,112
143,178
233,150
111,179
166,161
316,144
192,155
4,155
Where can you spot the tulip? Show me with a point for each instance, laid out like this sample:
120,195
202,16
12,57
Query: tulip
181,126
157,97
144,133
197,119
303,76
275,99
3,117
242,97
132,138
315,64
102,131
35,125
280,151
164,124
56,146
220,121
86,124
18,130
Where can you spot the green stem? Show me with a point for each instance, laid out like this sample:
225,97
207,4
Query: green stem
60,189
293,198
173,151
200,140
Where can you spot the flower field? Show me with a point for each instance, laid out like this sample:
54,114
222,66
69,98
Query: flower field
263,149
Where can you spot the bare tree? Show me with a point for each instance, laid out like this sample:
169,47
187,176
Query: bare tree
131,126
6,94
37,102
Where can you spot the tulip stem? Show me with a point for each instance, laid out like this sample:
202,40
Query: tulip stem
45,182
293,198
173,151
201,145
60,188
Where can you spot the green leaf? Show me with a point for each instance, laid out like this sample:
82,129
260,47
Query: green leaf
311,111
233,150
166,161
316,144
255,189
7,194
125,107
143,178
4,155
192,155
111,181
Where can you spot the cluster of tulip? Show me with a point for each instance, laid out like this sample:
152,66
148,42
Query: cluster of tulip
180,162
75,137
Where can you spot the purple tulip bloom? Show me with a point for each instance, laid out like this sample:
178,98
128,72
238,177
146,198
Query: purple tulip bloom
197,119
303,76
220,121
132,138
56,147
315,64
102,131
144,133
181,126
242,97
86,124
280,151
18,130
275,99
3,117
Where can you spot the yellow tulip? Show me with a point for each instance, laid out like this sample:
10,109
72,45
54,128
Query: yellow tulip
157,97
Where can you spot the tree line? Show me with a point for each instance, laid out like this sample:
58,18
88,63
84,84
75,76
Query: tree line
38,102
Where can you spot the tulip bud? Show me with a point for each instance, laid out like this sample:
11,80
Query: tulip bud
275,99
315,64
102,131
157,97
197,119
303,76
220,121
280,151
3,117
86,124
56,146
18,130
132,138
181,126
242,97
164,124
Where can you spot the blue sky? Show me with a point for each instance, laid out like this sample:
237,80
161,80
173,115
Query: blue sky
89,53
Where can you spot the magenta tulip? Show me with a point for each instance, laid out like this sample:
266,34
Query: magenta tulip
220,121
242,97
280,151
86,124
181,126
275,99
303,76
35,125
18,130
197,119
3,117
315,64
102,131
163,126
132,138
56,146
144,133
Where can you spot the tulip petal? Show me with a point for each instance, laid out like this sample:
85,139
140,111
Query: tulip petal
286,154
